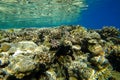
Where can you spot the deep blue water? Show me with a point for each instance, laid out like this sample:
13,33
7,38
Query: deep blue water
98,14
101,13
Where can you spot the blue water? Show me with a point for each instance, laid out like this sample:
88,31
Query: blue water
99,13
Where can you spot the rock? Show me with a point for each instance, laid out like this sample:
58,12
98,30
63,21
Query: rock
61,78
92,41
87,73
21,66
73,78
5,47
51,74
100,62
4,59
96,49
22,47
93,35
26,45
0,50
76,47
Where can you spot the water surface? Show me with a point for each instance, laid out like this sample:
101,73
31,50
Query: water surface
48,13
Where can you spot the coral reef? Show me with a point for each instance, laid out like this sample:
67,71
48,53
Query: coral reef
110,33
62,53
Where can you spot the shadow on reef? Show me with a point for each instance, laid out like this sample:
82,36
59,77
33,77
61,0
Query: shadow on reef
112,34
64,51
115,61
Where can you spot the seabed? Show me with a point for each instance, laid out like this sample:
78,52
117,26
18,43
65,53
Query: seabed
60,53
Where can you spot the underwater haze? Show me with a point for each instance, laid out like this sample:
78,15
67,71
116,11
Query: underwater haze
48,13
101,13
